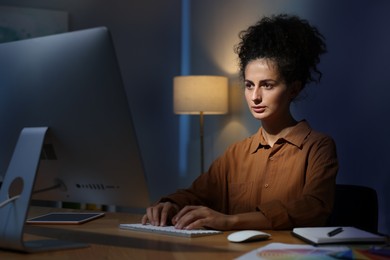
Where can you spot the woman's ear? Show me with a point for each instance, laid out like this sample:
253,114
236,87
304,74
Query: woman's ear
296,88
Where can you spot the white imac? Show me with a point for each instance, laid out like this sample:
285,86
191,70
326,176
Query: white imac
71,83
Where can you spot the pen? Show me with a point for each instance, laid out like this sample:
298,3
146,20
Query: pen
335,232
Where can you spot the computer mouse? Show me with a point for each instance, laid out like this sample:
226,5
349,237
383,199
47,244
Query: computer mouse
247,235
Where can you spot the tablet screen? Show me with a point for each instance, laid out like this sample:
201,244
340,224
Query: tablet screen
64,218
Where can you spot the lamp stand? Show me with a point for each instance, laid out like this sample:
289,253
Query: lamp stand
201,142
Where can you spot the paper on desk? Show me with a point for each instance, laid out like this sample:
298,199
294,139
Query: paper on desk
283,251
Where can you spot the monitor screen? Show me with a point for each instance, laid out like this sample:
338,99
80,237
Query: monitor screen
71,83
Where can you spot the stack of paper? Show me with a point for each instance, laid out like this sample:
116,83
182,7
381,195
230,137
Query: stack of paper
289,251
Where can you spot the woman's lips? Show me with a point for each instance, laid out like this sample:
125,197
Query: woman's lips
258,109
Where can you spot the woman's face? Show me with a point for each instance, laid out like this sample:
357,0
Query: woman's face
266,93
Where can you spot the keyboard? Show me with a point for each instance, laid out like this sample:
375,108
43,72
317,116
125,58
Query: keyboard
169,230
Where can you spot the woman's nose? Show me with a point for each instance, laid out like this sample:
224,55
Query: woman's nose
256,94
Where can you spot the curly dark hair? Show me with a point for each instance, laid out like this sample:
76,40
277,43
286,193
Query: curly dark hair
292,43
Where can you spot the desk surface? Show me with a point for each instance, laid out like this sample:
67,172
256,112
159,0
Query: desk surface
107,241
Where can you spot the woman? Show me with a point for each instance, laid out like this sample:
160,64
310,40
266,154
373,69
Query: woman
284,175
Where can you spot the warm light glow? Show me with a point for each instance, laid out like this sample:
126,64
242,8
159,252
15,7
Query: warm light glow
195,94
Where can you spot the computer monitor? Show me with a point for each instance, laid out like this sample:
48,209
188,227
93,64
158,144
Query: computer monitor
71,83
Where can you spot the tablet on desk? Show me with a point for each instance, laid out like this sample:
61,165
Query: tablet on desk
64,218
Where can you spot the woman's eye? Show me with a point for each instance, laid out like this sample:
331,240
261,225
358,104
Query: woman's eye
267,86
248,85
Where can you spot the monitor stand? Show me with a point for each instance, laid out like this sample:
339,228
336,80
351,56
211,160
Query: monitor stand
15,195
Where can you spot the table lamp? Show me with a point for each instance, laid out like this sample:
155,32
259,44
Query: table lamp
200,95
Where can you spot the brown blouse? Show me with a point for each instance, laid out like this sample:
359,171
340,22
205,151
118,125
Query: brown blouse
291,183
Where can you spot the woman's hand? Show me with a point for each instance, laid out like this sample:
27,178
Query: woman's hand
196,217
160,214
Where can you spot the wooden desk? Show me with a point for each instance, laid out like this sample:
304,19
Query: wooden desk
107,241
